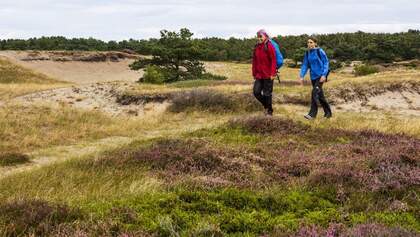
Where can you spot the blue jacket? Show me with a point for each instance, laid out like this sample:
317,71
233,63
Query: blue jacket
317,63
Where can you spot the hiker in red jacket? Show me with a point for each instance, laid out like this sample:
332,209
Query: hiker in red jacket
264,71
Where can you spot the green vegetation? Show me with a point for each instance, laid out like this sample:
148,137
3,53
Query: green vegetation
211,166
175,58
378,47
195,184
363,70
10,158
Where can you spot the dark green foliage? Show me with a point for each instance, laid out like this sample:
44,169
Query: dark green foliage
363,70
175,58
298,55
334,65
10,158
377,47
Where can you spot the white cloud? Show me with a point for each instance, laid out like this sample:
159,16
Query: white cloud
123,19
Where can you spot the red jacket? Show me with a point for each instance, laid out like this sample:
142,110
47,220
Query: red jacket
264,61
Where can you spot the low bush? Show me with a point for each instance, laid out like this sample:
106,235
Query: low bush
363,70
12,158
212,101
34,217
153,75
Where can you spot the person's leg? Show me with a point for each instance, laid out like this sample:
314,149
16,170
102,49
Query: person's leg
314,98
268,95
258,87
323,102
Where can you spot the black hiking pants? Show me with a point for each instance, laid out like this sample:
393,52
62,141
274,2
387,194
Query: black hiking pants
318,97
263,91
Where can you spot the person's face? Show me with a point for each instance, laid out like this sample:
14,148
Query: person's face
311,44
261,38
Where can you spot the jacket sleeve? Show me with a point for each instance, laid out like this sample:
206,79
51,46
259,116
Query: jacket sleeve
254,61
273,62
304,67
325,62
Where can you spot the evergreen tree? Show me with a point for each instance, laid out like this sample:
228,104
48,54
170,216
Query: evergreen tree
175,55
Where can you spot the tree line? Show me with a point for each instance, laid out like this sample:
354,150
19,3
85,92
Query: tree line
376,47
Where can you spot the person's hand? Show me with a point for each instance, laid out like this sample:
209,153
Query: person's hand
323,79
301,81
273,77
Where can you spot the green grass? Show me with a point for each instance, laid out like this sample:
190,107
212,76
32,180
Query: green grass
113,187
248,176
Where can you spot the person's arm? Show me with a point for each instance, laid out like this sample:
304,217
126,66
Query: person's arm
325,64
273,62
304,67
254,61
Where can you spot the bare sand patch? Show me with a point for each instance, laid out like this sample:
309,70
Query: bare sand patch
95,96
400,102
78,72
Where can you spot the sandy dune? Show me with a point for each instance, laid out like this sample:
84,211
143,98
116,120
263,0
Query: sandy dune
76,71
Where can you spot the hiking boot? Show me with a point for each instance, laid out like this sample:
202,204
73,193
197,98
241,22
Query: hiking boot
309,117
327,116
268,112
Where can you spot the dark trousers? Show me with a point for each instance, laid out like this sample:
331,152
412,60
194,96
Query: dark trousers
318,96
263,91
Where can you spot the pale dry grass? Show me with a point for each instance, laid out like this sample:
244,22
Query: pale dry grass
27,128
12,73
16,80
376,120
10,91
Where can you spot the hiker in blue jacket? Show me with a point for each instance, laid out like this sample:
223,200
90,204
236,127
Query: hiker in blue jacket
316,61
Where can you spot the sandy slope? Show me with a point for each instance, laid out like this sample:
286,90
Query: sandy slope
95,96
403,103
77,71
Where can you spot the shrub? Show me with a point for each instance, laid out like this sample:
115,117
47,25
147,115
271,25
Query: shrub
34,217
362,70
201,99
334,65
9,159
269,125
212,101
362,230
153,74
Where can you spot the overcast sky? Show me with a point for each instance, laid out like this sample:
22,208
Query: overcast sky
142,19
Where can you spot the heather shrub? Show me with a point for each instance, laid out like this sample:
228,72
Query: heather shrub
212,101
203,100
176,160
269,125
34,217
12,158
361,230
